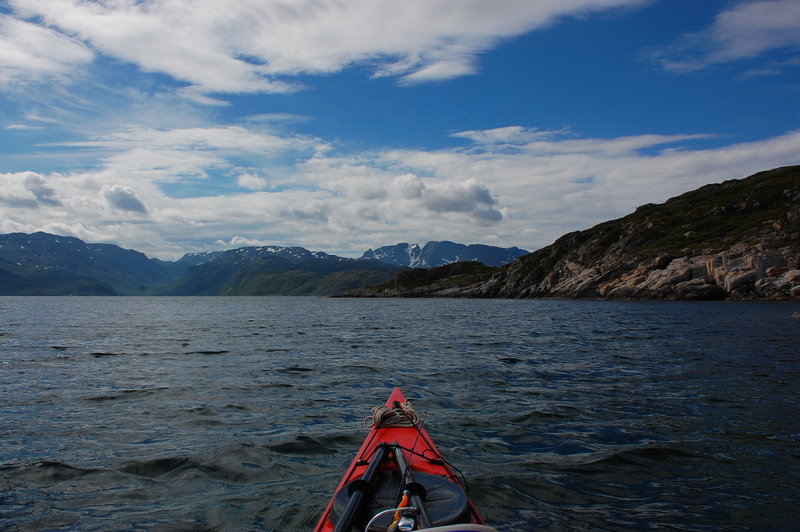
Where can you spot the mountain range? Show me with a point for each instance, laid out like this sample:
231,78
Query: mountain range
45,264
739,239
273,270
441,253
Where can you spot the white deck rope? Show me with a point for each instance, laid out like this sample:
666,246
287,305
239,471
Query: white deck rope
383,416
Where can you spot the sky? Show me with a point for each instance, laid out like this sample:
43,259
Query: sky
175,126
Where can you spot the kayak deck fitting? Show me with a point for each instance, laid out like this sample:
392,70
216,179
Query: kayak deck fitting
399,481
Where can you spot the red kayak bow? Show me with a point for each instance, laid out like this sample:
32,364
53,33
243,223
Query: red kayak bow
399,481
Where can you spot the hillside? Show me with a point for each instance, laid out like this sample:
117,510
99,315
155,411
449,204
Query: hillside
45,264
16,280
279,271
41,263
735,240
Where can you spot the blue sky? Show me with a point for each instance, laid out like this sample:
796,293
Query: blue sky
173,126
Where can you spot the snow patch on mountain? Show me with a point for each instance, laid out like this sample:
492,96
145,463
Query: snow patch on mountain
441,253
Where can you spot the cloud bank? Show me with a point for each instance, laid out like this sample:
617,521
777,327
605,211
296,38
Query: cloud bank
32,52
507,186
743,31
245,46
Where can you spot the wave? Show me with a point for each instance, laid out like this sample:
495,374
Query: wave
363,368
535,416
651,458
160,467
312,445
295,370
49,472
123,395
270,385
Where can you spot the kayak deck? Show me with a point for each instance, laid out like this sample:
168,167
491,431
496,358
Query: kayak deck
399,465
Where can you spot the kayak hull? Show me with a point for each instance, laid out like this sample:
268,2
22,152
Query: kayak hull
392,456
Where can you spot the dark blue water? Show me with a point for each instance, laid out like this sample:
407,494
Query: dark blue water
241,413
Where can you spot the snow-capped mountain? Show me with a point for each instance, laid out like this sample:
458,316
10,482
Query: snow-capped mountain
199,257
275,270
436,253
402,254
45,264
245,255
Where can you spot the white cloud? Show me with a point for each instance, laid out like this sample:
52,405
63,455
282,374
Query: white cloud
23,127
43,192
180,154
29,52
468,196
251,181
508,186
442,70
277,117
408,186
253,45
37,118
544,190
746,30
123,198
197,96
27,190
12,226
505,135
200,138
76,229
176,38
240,241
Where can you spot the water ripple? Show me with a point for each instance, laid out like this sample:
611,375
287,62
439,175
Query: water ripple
242,413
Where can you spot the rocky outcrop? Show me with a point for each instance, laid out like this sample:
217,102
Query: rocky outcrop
742,272
735,240
452,280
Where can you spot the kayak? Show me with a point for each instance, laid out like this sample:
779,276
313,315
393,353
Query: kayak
398,481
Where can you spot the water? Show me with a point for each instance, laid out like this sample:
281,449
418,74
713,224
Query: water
242,413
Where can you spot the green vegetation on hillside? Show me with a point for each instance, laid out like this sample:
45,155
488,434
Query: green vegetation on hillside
279,276
25,281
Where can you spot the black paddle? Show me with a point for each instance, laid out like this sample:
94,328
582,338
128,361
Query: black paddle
416,490
361,490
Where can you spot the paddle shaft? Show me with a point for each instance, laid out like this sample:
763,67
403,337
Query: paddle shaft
361,491
414,497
